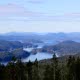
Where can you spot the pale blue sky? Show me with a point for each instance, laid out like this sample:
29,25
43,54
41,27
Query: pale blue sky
39,16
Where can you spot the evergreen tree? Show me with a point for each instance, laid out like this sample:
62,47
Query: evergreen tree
11,71
48,73
56,70
2,72
63,71
71,68
77,69
30,70
36,70
20,71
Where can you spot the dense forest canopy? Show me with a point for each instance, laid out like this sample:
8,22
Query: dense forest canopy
56,69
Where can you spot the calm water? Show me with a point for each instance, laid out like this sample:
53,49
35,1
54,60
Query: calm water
39,56
28,49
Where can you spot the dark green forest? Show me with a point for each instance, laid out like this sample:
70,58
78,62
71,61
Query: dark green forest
54,70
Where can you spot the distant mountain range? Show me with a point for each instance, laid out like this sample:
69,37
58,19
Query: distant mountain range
58,37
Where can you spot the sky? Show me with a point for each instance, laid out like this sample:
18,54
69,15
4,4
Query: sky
39,16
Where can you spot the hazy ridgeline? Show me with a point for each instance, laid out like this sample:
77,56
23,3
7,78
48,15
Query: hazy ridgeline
53,69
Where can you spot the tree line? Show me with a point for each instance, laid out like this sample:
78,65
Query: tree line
56,70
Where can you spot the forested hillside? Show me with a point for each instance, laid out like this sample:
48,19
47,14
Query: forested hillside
18,53
54,70
9,45
64,48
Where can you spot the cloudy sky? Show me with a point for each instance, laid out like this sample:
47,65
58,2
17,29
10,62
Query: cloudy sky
39,16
